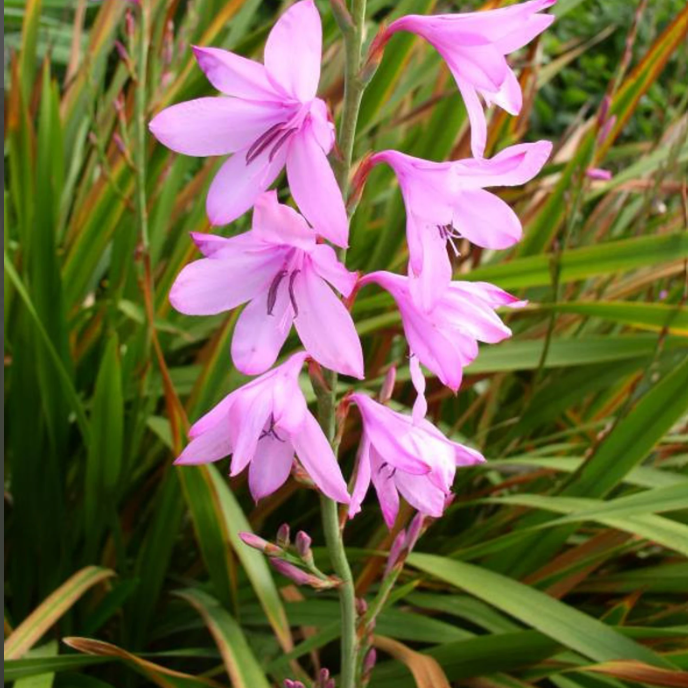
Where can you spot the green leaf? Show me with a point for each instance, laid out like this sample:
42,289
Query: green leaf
560,622
242,666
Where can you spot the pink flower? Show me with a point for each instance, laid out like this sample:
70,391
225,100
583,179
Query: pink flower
405,456
280,269
271,118
474,46
446,338
262,425
598,173
447,201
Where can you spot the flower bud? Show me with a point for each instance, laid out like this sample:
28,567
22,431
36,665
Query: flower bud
361,606
303,546
260,544
415,530
288,683
323,678
387,388
129,23
370,660
358,182
598,173
395,551
122,51
283,535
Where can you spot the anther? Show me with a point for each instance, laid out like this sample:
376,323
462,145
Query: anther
272,292
292,296
280,142
262,142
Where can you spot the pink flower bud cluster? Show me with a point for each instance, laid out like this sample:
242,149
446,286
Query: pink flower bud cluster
268,118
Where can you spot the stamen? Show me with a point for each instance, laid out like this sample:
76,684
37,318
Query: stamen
271,432
449,233
292,296
262,142
280,142
272,292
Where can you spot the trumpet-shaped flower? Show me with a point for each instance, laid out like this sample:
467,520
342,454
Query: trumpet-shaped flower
267,117
446,201
407,456
474,46
446,338
280,269
263,425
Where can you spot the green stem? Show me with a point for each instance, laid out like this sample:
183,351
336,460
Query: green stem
327,399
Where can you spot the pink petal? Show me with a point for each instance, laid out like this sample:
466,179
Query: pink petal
238,184
288,403
420,405
314,187
213,444
259,336
385,487
509,96
486,220
512,166
362,482
213,285
276,223
329,267
483,66
465,456
293,51
270,466
315,454
325,326
476,116
420,493
212,126
217,416
248,418
431,282
235,75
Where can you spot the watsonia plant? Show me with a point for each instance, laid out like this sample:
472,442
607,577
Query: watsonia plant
553,565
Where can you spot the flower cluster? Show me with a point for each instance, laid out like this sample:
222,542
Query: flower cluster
267,118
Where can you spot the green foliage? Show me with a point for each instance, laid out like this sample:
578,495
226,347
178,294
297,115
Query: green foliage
567,550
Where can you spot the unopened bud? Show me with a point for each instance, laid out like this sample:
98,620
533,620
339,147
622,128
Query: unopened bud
303,546
323,678
119,143
370,661
387,389
359,180
260,544
129,23
283,535
301,577
598,173
395,551
361,606
288,683
122,51
604,110
605,129
415,530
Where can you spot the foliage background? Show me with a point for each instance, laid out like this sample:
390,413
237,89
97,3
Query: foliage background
563,560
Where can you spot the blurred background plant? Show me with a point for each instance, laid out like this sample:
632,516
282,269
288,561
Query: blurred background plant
562,561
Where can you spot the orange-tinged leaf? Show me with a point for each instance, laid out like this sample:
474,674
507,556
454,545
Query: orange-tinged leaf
426,670
642,673
51,609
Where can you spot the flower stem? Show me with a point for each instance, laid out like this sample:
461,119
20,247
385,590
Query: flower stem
327,399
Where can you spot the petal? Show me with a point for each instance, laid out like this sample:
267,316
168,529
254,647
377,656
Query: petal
420,493
315,189
486,220
362,482
248,418
235,75
390,433
213,285
218,415
512,166
315,454
293,51
420,406
238,184
288,403
383,480
325,326
509,97
276,223
213,444
259,335
476,116
435,274
331,269
212,126
270,466
465,456
482,66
